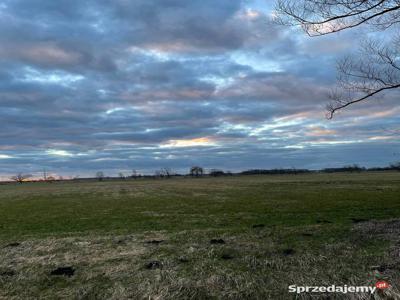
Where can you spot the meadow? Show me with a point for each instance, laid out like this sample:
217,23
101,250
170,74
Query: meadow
238,237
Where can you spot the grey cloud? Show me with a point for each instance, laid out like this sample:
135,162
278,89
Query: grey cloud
112,85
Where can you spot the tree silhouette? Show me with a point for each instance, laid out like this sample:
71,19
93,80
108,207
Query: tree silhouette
20,177
100,175
196,171
376,68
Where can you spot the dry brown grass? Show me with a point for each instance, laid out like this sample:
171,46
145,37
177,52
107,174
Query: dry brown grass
114,267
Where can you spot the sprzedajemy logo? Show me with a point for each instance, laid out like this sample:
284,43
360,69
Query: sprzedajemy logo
343,289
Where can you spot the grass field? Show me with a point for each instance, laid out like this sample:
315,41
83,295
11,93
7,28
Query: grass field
240,237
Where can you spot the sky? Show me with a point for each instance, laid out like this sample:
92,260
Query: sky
113,86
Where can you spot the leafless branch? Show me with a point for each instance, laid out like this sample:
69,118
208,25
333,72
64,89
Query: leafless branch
376,68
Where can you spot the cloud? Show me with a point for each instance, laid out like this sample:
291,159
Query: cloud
116,85
197,142
63,153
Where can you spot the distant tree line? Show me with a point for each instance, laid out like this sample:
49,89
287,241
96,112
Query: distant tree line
348,168
197,172
357,168
275,171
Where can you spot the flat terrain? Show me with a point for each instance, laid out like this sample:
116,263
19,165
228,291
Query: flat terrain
240,237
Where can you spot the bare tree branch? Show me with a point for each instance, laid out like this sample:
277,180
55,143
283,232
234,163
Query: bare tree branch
376,68
20,177
320,17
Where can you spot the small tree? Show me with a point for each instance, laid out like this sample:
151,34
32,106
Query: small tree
395,166
196,171
121,175
100,175
166,172
50,179
20,177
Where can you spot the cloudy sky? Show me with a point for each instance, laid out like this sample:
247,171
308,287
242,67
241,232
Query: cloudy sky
144,84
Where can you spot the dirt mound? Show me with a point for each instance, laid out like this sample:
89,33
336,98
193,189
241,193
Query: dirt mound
63,271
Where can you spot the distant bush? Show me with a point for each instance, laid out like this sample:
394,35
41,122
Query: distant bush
216,173
395,166
275,171
100,176
349,168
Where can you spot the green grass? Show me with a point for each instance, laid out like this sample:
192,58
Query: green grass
72,223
